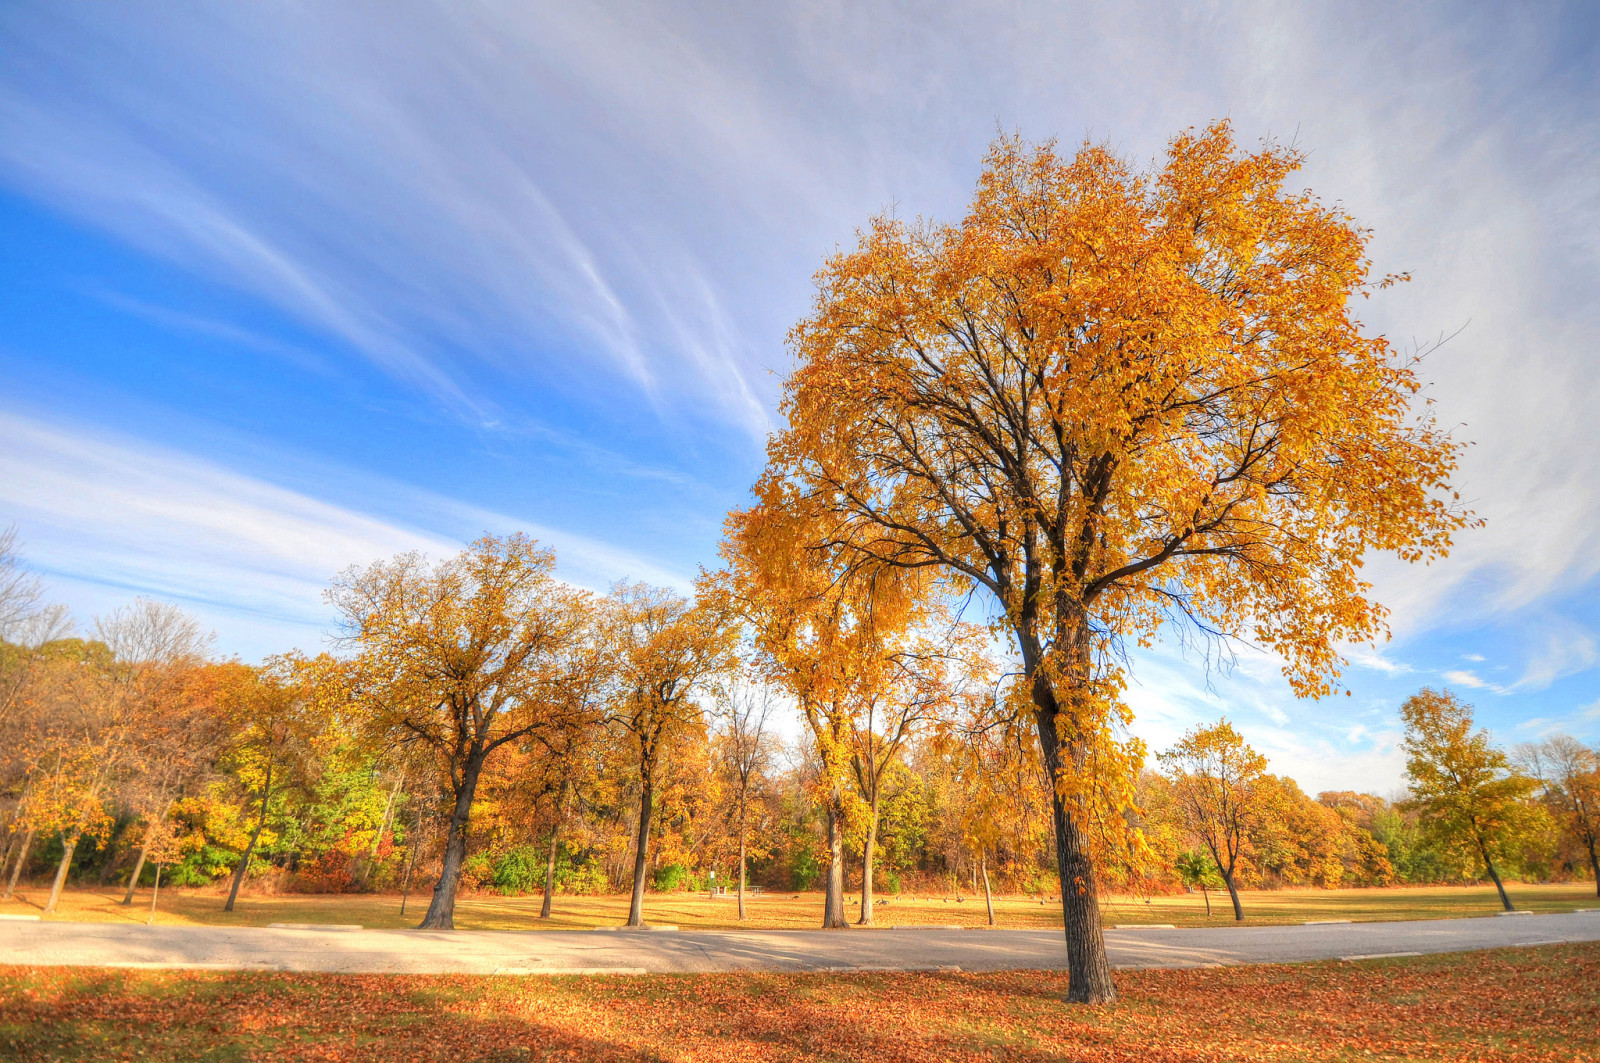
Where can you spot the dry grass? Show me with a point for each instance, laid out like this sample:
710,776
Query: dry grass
803,911
1512,1005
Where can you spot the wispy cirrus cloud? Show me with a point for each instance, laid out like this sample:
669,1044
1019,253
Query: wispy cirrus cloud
114,517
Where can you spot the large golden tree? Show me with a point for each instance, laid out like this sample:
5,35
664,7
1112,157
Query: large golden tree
1109,398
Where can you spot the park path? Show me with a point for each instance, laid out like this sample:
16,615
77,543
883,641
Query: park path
578,952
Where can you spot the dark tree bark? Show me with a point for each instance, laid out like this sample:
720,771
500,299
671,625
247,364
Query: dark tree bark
555,840
250,848
833,901
61,870
641,854
442,908
1494,875
1233,893
138,867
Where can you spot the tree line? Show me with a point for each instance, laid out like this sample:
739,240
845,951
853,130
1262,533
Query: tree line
485,726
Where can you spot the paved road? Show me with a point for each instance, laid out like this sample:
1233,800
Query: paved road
574,952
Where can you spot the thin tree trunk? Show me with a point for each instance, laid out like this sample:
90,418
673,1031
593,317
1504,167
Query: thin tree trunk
16,869
833,898
1594,862
742,833
1495,875
138,865
1206,893
1233,894
411,865
550,872
988,898
869,853
1088,970
153,895
61,871
442,908
641,853
377,839
249,849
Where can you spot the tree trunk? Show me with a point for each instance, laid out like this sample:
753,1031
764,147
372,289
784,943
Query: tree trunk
1206,893
1088,970
371,861
138,865
61,871
250,848
869,853
833,898
442,908
641,854
16,869
550,872
153,895
411,865
988,898
1495,875
741,866
1233,893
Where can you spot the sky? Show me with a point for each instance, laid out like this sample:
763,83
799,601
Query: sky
287,287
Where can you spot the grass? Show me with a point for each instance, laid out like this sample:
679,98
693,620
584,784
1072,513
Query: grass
792,911
1510,1004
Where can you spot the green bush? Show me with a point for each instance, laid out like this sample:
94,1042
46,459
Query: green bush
520,870
671,877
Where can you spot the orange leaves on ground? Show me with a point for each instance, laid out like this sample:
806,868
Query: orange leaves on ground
1513,1005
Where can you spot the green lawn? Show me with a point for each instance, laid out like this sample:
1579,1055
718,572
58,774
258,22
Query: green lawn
1510,1004
493,912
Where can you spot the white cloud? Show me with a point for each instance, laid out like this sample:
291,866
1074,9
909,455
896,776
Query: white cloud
107,518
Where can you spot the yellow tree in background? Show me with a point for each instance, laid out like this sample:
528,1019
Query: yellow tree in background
1110,398
1218,782
1469,798
274,714
462,657
828,636
668,651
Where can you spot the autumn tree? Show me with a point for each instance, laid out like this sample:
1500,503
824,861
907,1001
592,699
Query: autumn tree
1109,398
827,635
462,656
1462,785
273,715
745,743
1217,780
1569,776
668,650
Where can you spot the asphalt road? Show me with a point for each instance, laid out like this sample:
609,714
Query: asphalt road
637,952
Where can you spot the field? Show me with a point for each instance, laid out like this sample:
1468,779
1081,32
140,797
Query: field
1510,1004
799,911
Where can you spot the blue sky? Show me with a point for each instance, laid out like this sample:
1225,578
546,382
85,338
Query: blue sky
287,287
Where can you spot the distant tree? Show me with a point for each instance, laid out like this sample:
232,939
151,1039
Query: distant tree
273,717
1217,780
746,745
462,657
1462,786
668,652
1569,775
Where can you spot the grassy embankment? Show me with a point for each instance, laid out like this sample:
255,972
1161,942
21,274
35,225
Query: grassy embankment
1510,1004
789,911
